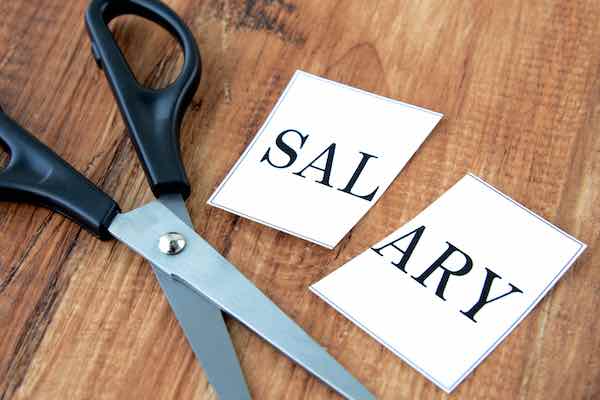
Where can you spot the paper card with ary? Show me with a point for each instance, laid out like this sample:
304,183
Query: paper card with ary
445,289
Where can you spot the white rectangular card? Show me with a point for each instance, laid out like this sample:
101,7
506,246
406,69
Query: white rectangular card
324,156
501,260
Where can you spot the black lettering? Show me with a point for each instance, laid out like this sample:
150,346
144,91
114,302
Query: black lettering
439,263
485,292
416,234
348,189
283,146
330,151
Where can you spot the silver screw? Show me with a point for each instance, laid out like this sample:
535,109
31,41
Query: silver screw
171,243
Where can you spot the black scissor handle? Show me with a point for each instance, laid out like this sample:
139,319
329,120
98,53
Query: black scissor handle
35,174
153,117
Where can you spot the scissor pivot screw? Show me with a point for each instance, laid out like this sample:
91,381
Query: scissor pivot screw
171,243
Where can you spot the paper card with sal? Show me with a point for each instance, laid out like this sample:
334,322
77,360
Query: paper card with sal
324,156
445,289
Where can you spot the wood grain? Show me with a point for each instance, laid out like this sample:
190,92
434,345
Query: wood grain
517,82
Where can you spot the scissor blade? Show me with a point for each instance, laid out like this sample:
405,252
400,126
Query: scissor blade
203,325
200,267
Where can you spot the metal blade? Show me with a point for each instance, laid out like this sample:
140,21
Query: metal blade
205,271
203,325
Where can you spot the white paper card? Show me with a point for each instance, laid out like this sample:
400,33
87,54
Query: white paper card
325,155
520,256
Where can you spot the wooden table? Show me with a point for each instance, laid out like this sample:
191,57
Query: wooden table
517,82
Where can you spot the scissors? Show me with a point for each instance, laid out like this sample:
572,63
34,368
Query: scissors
198,282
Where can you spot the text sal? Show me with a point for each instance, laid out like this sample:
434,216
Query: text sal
328,155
